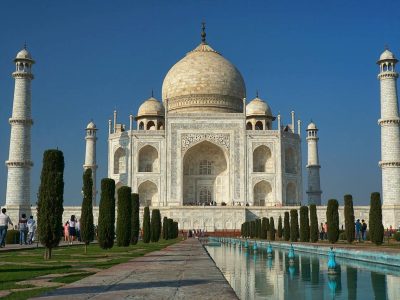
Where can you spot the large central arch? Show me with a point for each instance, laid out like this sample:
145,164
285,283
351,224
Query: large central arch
205,175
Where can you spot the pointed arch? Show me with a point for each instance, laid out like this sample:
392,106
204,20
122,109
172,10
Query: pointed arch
262,159
291,193
262,194
148,193
148,159
119,161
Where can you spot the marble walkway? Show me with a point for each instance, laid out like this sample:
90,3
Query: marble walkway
180,271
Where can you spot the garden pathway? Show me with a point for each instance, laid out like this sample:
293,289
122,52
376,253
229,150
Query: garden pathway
180,271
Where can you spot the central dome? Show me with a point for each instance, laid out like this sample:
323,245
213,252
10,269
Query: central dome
203,81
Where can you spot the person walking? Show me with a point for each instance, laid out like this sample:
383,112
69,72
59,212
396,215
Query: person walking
358,230
22,229
72,229
78,230
31,229
364,230
4,221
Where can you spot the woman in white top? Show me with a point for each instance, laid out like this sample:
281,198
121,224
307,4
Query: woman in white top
72,230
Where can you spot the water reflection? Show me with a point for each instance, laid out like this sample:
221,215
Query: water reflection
254,275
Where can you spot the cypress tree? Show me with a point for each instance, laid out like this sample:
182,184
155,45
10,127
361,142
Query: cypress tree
313,224
258,228
135,218
155,225
176,229
106,228
271,229
170,225
252,229
349,218
146,225
165,228
268,228
264,228
294,225
304,225
332,218
50,201
124,217
286,226
280,232
86,222
376,230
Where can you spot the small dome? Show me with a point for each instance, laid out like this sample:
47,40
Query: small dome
387,55
91,125
258,107
24,54
151,107
312,126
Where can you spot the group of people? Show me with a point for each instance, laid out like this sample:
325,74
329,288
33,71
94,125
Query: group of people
26,228
360,230
72,230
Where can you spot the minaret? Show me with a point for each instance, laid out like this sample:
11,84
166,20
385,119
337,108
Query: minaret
19,160
314,187
390,130
90,155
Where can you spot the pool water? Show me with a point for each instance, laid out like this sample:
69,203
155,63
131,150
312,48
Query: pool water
255,276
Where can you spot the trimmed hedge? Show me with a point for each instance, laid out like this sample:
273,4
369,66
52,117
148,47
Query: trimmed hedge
135,218
286,226
294,225
106,228
155,225
165,228
271,229
332,217
304,225
124,217
86,222
349,218
376,230
314,232
280,230
146,225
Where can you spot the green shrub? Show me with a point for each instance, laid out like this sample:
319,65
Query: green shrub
332,217
165,228
135,218
294,225
313,224
86,221
155,225
286,226
349,218
171,229
280,232
304,225
271,229
146,225
124,217
50,201
106,227
259,227
396,236
376,230
263,228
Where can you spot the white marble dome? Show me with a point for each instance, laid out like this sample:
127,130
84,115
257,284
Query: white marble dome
91,125
387,54
151,107
203,81
24,54
312,126
258,107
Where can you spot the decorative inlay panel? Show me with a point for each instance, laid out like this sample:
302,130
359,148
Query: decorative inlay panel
188,139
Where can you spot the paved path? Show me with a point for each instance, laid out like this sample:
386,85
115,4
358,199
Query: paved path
180,271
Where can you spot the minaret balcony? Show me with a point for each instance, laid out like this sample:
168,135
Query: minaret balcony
20,164
389,164
20,121
19,74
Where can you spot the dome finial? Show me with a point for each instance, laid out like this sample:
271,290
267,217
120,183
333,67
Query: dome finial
256,93
25,45
152,93
203,32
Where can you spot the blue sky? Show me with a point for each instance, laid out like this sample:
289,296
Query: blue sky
316,57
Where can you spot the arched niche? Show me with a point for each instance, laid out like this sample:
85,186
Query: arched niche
290,160
119,161
262,194
205,175
148,159
291,193
262,160
148,194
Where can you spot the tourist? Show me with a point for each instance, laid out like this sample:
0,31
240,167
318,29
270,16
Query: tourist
358,230
364,230
321,232
4,221
31,230
78,230
72,229
22,229
66,231
326,231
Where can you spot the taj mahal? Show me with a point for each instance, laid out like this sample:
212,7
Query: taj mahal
205,155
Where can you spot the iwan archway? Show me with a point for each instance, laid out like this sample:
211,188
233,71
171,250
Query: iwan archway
205,175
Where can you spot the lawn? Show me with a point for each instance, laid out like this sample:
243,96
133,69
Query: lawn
20,269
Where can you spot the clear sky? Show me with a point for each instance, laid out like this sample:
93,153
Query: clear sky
315,57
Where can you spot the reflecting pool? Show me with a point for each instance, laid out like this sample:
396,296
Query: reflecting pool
254,275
